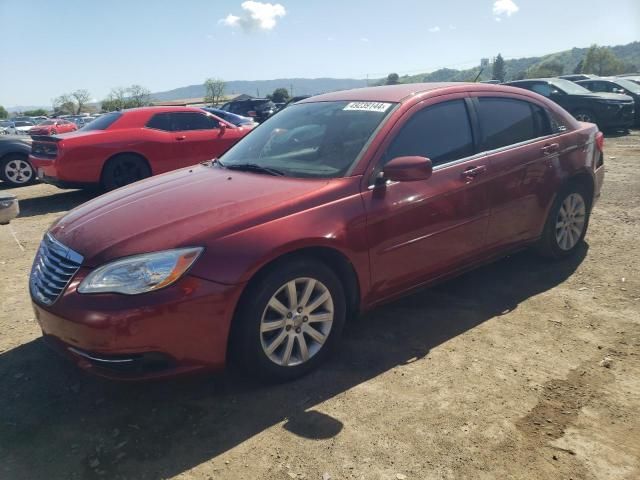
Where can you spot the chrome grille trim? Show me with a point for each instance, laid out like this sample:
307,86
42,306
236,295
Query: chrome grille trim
52,270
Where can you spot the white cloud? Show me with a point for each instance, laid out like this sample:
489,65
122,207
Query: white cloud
504,8
256,16
364,40
434,29
452,27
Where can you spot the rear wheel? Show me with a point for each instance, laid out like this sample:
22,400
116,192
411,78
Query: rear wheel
123,170
16,170
567,223
289,320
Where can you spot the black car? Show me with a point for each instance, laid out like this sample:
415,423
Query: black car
237,120
607,110
615,85
257,108
15,168
293,100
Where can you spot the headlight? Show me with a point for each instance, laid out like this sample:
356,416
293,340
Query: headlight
140,273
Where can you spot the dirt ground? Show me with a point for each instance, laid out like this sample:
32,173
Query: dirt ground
522,369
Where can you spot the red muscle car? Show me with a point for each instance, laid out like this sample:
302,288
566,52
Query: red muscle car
119,148
332,206
53,127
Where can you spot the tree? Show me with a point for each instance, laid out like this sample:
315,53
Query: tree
39,112
3,112
548,69
139,96
601,61
81,97
579,67
393,79
279,95
498,69
214,90
63,104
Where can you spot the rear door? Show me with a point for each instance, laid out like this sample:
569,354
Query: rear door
420,230
517,137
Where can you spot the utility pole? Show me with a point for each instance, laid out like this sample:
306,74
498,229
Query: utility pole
367,79
258,92
291,90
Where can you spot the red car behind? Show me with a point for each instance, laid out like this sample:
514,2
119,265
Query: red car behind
332,206
53,127
119,148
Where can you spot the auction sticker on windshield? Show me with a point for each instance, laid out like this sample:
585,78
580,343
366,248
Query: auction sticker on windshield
368,106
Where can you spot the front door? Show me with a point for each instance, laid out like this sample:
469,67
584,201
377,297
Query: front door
423,229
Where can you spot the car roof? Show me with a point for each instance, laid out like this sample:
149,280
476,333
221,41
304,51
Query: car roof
162,109
405,91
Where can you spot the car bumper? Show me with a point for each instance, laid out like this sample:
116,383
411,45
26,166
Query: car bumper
178,330
617,117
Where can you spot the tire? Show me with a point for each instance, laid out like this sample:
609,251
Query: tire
16,170
123,170
585,116
262,335
566,225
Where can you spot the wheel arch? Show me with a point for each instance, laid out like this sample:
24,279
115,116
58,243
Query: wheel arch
337,261
121,154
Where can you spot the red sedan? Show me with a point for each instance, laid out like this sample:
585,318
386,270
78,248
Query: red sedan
119,148
335,205
53,127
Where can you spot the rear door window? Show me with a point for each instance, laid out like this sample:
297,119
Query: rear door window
505,121
440,132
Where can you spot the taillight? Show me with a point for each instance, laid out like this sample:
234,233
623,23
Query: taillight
600,141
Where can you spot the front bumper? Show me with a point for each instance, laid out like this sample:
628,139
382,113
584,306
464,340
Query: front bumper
616,116
177,330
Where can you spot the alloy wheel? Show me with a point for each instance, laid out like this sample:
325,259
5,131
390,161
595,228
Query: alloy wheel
570,221
18,171
296,322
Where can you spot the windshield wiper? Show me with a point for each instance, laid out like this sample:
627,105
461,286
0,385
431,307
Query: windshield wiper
253,167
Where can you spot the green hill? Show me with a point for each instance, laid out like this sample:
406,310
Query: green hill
569,59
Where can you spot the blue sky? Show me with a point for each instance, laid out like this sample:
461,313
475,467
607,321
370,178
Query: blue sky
53,47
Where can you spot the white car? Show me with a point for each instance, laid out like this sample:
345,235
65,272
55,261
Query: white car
22,127
6,127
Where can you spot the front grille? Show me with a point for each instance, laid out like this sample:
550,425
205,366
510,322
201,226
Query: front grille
52,270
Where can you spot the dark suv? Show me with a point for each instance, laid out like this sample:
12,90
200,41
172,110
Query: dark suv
607,110
615,85
257,108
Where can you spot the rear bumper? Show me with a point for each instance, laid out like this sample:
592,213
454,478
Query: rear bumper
48,172
181,329
616,117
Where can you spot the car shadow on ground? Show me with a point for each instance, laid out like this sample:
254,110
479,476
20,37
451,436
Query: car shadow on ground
58,202
58,420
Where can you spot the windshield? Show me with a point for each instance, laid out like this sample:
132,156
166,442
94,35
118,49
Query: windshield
629,85
24,124
102,122
48,122
569,87
5,124
317,140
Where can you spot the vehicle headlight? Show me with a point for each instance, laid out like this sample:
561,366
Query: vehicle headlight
141,273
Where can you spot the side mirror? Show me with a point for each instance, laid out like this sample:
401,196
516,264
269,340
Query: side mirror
8,208
223,127
407,169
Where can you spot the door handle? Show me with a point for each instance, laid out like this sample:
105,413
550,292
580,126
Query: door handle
473,172
550,148
181,137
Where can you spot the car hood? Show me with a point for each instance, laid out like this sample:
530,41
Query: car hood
186,207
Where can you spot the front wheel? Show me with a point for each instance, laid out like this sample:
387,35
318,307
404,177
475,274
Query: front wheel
291,321
567,222
585,116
